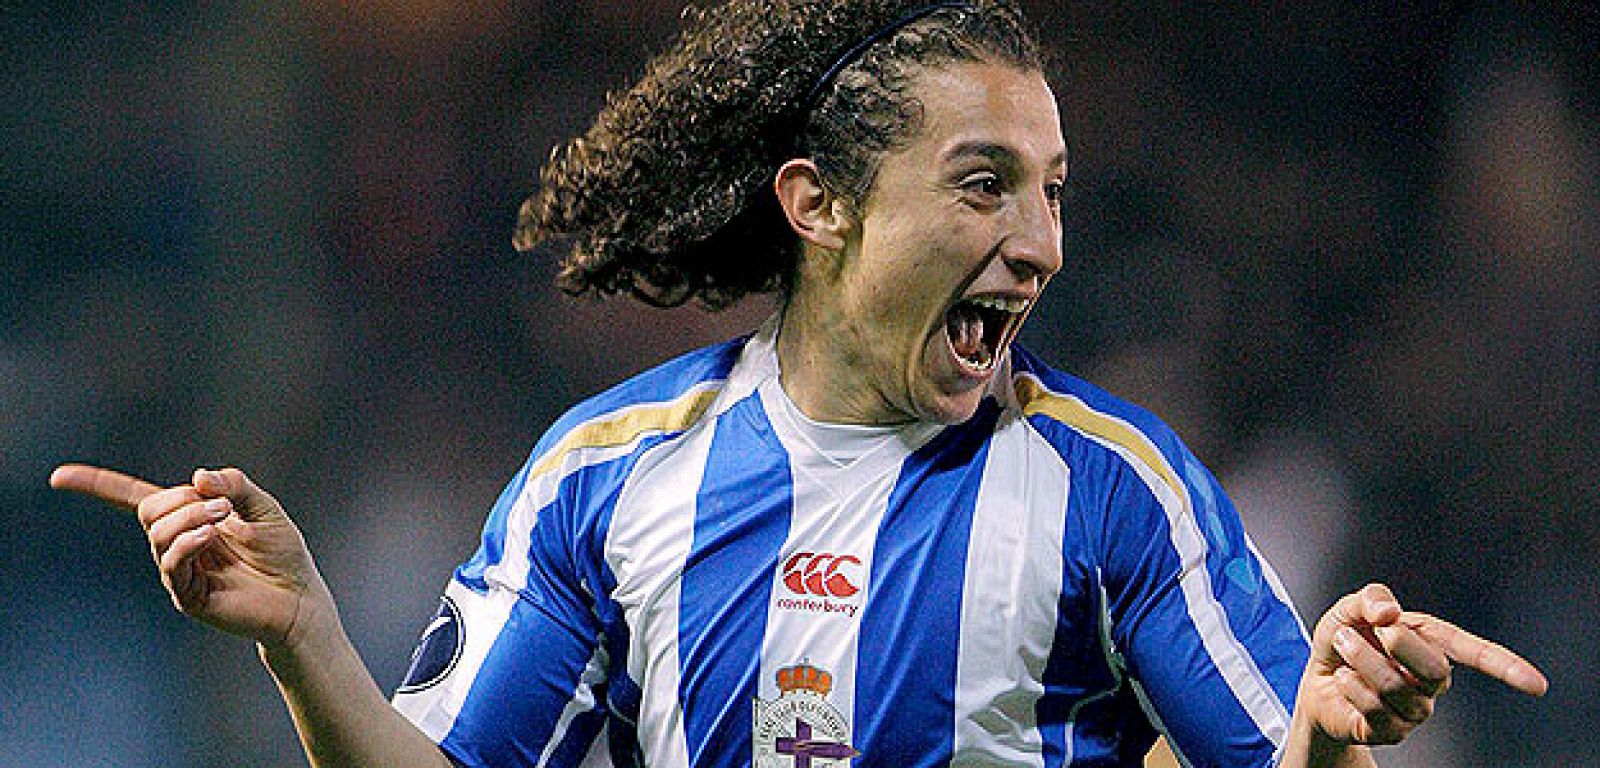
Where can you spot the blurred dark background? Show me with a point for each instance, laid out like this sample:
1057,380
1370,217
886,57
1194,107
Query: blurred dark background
1350,250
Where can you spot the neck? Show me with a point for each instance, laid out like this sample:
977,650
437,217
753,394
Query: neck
821,372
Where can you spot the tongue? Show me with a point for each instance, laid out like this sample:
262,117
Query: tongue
965,326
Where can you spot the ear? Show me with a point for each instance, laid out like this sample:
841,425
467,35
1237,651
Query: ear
814,213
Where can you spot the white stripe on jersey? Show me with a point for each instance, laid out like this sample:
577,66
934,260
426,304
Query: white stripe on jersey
1231,658
599,754
837,511
1013,554
651,535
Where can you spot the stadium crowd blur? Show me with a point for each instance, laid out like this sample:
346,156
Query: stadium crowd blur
1351,252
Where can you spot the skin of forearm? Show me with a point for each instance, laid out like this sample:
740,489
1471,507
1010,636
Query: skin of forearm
343,719
1308,748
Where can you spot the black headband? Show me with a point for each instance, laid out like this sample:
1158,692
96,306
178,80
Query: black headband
848,57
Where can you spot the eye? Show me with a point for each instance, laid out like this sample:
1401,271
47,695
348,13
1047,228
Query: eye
1054,191
983,184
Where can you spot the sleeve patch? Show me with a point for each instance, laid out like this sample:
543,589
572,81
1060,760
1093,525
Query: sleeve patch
438,650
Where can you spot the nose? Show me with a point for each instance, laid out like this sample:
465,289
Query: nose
1033,249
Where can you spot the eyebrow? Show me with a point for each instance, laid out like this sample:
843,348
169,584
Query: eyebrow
996,153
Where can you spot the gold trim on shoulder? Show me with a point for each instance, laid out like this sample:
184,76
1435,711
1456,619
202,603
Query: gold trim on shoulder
623,427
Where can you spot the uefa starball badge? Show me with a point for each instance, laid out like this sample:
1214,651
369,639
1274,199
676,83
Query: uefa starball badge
800,729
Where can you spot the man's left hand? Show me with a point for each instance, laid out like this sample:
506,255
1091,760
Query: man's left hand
1376,670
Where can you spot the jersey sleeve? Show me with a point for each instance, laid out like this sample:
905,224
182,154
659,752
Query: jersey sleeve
1207,636
512,669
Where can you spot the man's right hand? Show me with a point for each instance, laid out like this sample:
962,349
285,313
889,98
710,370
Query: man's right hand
231,558
226,551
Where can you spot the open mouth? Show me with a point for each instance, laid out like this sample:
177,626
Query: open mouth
980,327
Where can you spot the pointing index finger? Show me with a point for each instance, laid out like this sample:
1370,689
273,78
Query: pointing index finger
108,485
1488,657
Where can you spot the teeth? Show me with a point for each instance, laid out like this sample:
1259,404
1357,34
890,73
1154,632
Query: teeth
1012,306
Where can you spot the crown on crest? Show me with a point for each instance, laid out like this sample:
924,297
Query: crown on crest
804,677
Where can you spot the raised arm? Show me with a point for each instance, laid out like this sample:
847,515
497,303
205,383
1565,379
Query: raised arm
230,557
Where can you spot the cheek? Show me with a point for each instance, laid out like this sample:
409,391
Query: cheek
905,288
906,303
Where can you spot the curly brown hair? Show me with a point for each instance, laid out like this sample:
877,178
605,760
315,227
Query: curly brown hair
668,196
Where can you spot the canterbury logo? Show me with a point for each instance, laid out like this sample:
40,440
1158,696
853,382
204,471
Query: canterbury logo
820,574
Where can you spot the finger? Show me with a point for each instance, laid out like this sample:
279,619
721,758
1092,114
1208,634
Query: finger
1358,693
251,502
108,485
1490,658
1383,675
1378,605
1347,611
162,503
1428,666
186,518
1378,724
1356,725
177,565
1346,719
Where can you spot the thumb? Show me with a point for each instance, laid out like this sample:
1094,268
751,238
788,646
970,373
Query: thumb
1379,608
252,503
1371,606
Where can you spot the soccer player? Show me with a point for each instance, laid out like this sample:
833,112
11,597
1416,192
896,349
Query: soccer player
874,532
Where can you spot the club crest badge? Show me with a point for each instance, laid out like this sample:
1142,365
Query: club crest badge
800,729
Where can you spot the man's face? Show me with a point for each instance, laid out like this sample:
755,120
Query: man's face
959,233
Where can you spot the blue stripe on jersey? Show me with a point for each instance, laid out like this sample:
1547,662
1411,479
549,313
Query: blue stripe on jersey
580,735
742,518
1079,679
507,718
906,667
662,383
624,693
1181,673
553,628
1111,730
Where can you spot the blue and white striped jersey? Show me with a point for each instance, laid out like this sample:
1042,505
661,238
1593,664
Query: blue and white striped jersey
682,576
